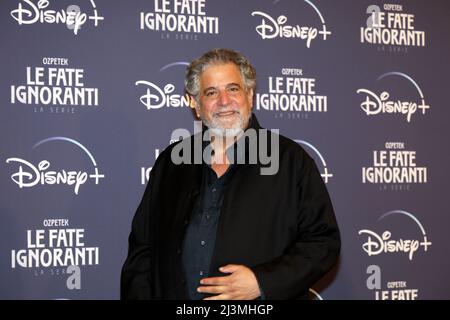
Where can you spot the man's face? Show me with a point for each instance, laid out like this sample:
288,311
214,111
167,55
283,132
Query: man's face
224,102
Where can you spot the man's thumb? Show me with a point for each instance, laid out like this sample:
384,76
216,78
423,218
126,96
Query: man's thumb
229,268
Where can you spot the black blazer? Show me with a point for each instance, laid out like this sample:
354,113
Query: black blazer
281,226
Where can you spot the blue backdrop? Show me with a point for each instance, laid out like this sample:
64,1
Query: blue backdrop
92,90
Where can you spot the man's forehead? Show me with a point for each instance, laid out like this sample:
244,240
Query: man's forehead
221,71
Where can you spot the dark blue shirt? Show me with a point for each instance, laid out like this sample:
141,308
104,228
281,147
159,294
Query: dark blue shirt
200,237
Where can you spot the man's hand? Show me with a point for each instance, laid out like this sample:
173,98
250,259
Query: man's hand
241,284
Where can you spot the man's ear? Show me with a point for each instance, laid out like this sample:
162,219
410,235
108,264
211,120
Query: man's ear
191,100
250,97
192,103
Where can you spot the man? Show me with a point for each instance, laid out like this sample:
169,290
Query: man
222,228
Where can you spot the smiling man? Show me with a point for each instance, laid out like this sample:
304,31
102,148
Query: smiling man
221,228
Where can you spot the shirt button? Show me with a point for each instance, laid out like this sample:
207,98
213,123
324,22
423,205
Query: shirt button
208,216
201,273
214,189
203,242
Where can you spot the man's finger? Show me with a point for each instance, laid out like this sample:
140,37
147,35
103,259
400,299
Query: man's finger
229,268
215,281
212,289
222,296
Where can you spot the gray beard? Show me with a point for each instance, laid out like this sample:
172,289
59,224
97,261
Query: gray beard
217,130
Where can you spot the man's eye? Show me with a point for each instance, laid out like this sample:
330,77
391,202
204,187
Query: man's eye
234,89
210,93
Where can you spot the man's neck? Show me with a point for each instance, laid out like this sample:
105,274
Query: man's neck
219,160
220,144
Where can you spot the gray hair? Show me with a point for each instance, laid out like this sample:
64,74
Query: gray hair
213,57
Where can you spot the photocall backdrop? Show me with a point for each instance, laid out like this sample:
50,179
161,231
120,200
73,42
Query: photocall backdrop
92,90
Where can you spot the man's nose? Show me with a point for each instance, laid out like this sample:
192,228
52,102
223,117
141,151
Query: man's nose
224,98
